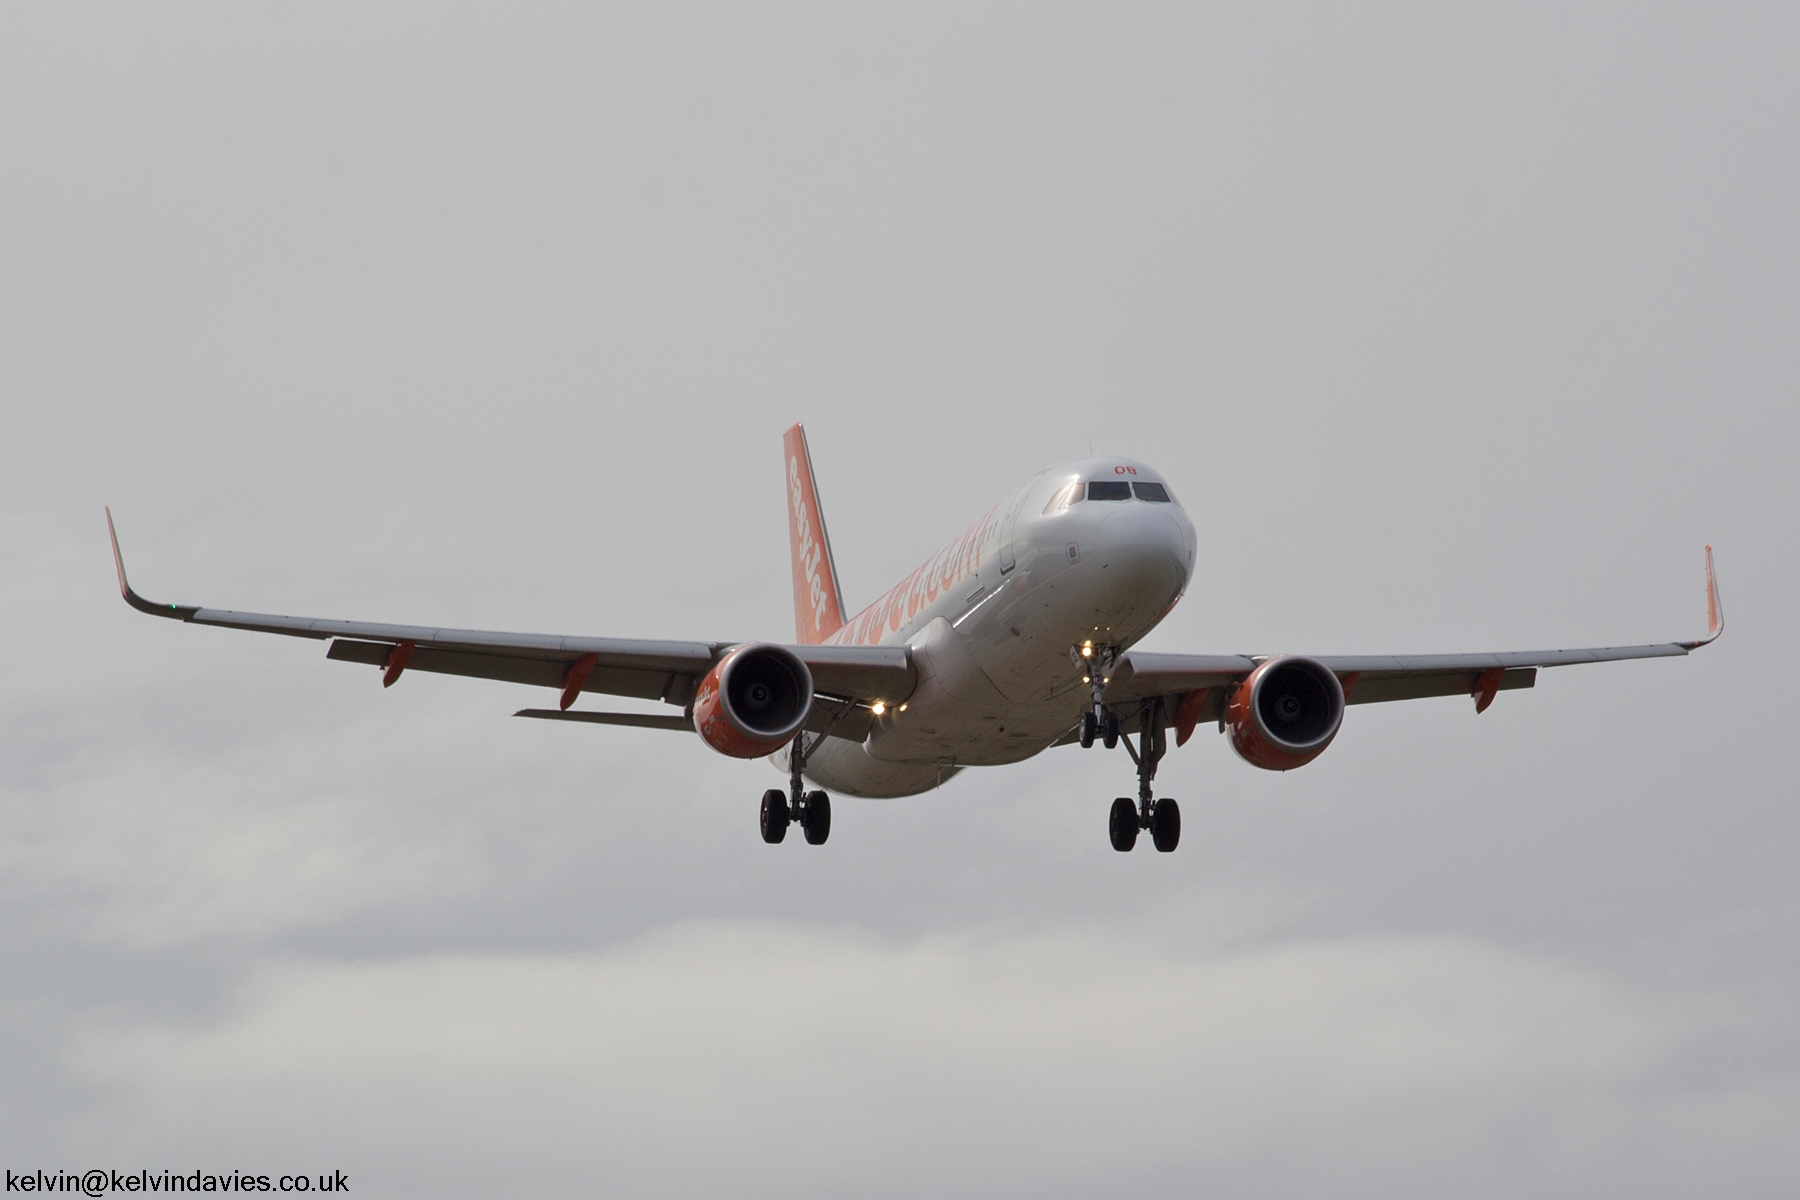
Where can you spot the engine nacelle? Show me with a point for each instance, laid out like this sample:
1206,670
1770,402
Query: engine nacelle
754,701
1285,713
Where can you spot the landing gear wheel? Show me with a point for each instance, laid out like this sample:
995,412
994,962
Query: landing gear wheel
815,818
1089,728
1122,824
1109,730
774,816
1165,824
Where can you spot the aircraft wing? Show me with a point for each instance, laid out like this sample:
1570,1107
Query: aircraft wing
844,676
1195,688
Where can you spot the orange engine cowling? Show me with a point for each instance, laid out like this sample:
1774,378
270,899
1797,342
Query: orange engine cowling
1285,713
754,701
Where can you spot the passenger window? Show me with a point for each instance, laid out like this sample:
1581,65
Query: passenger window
1109,490
1156,493
1065,496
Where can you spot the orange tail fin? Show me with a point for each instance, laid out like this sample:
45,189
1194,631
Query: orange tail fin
818,602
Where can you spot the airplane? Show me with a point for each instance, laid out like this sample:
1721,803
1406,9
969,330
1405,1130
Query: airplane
1014,638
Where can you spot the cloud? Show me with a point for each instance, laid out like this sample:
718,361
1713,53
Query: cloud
758,1058
147,846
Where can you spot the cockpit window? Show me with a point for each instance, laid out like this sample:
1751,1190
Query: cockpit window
1108,490
1064,497
1156,493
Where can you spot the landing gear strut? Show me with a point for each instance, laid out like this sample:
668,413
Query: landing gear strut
1096,664
812,810
1161,817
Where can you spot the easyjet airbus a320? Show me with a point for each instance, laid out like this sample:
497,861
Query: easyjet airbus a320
1014,638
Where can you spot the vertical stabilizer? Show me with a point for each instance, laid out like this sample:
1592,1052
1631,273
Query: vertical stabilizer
818,602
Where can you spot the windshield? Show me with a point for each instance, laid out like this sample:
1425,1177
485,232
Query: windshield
1065,496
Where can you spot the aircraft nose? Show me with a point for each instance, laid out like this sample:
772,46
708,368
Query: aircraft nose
1152,545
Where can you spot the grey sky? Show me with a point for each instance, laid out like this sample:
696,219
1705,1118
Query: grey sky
1452,330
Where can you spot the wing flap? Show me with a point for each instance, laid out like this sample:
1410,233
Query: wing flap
532,670
669,656
633,720
839,716
1402,686
866,673
1368,678
854,673
1370,665
1139,675
1378,689
830,715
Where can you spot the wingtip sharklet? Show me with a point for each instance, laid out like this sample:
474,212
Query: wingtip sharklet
118,559
1715,611
179,612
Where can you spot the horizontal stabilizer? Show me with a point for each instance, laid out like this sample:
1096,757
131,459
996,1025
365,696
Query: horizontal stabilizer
640,720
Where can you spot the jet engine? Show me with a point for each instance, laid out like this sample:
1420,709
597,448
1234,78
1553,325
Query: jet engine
754,701
1285,713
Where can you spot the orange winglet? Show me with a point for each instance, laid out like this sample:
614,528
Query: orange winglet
118,559
1715,615
1487,686
1715,612
180,612
396,662
577,675
1187,714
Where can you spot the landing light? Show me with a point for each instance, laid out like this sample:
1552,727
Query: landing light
879,707
902,708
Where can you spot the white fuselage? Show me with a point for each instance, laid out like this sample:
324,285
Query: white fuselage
992,620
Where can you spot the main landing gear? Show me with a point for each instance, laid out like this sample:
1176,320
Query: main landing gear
1161,817
810,810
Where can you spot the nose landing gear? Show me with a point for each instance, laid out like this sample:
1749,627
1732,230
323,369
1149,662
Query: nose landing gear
1161,817
811,810
1096,663
1106,728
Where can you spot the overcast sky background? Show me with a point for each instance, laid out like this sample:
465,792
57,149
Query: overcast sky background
1453,331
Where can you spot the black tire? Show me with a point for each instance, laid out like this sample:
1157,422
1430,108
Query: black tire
1122,825
815,818
1165,824
1109,731
1089,727
774,816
